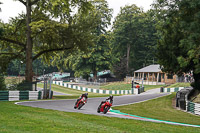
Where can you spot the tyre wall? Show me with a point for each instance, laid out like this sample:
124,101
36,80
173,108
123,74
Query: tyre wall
20,95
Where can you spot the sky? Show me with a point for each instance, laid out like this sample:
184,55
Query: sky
11,8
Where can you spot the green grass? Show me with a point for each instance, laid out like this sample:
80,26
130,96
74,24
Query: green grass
74,93
18,119
76,96
63,89
149,87
13,80
179,85
124,86
160,108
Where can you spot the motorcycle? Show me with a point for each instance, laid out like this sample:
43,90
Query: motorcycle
104,107
80,103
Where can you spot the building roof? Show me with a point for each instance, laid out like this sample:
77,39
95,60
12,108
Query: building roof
150,68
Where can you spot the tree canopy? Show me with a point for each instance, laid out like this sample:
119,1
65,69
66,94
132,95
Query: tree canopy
179,33
98,56
134,38
46,28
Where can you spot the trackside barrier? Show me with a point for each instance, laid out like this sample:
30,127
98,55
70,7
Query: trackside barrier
20,95
171,89
183,103
131,91
193,107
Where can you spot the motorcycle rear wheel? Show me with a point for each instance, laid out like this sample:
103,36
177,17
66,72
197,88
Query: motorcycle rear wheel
98,110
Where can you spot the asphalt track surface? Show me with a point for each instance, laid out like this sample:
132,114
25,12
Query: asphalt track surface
91,106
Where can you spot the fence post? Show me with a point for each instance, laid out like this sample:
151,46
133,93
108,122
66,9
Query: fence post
132,86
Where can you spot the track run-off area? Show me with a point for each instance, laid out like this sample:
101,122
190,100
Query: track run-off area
91,106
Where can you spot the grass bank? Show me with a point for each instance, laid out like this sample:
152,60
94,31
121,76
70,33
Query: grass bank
179,85
74,93
160,108
125,86
18,119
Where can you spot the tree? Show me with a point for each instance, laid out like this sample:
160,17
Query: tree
2,82
46,28
179,33
134,38
98,56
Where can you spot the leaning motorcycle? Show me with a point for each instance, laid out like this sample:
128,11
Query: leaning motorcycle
104,107
80,103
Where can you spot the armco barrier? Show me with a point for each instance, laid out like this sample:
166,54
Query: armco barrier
20,95
131,91
183,103
171,89
192,107
4,95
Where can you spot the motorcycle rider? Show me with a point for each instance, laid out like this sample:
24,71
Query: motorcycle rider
109,98
83,95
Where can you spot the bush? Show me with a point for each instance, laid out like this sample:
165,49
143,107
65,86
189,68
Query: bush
12,84
24,85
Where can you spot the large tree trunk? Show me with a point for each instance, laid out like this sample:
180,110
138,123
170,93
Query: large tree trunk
128,55
196,83
29,45
95,75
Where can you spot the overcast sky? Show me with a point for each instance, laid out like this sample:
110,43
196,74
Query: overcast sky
11,8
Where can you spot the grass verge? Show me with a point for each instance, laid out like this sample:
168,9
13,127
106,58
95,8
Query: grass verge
179,85
160,108
74,93
18,119
124,86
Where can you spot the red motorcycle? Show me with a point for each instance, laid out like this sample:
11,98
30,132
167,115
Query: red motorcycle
80,103
104,107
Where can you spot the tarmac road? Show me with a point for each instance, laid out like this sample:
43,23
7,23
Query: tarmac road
91,106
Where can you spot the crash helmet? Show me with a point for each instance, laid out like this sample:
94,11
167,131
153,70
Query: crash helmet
86,94
111,97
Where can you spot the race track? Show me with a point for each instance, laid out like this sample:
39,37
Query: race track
92,104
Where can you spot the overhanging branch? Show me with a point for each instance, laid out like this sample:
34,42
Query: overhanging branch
7,53
35,1
16,54
50,50
12,41
22,2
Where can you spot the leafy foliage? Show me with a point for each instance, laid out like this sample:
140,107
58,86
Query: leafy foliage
47,28
134,37
179,32
98,56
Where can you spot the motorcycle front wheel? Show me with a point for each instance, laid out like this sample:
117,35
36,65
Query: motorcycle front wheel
106,108
80,105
